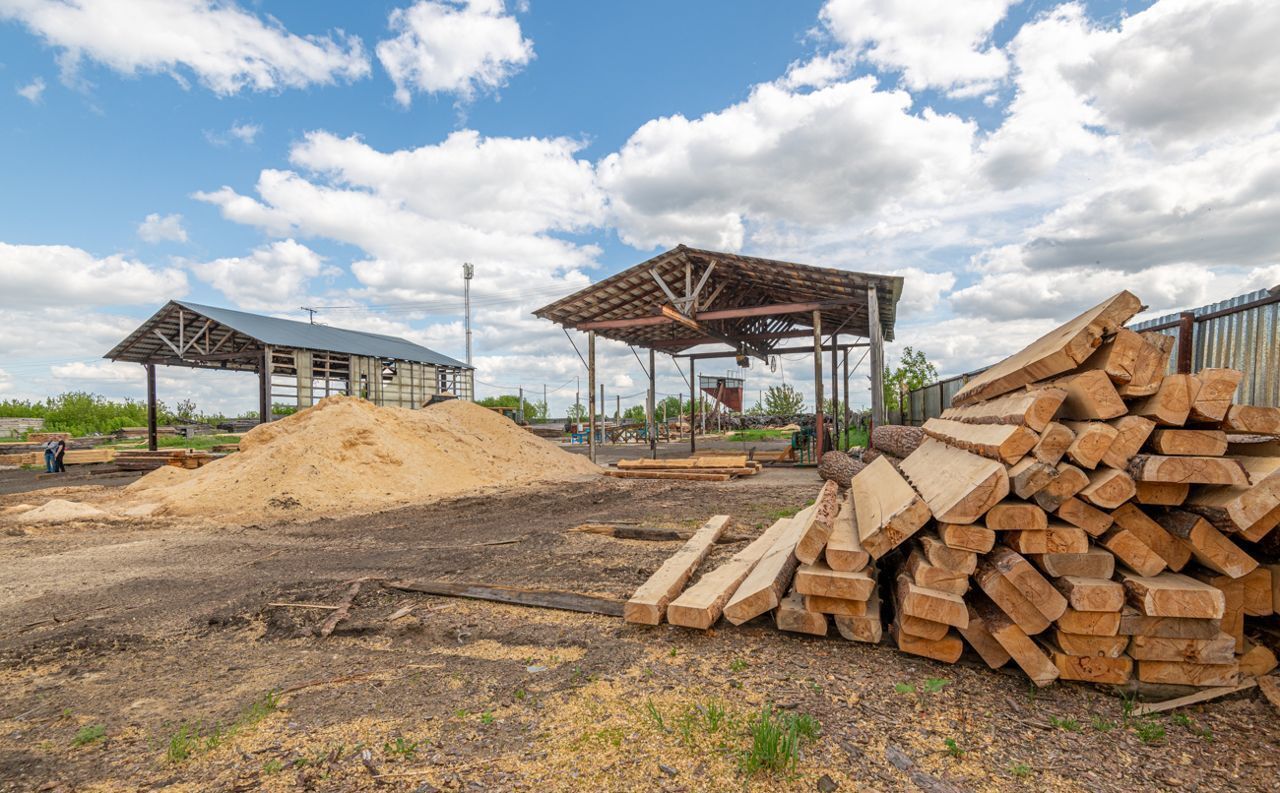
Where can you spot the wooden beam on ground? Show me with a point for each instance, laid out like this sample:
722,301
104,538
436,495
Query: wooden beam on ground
763,587
1196,698
1029,476
1131,550
925,574
1029,581
818,524
1054,441
1221,649
792,616
1091,442
1131,433
1093,563
1251,511
967,537
1108,488
1210,547
1089,623
1058,351
700,605
1217,390
934,605
1033,409
1058,538
1170,405
1135,623
1117,356
1168,494
1087,645
1173,551
1076,512
1015,641
649,603
686,476
844,549
959,487
886,507
983,643
542,598
866,628
818,579
940,554
948,649
1252,420
1091,594
1188,470
1010,515
1200,443
1069,481
1173,595
1090,396
1090,669
1189,674
1007,443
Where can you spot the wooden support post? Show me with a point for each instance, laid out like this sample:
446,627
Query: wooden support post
819,424
877,357
1186,334
837,420
591,395
693,407
151,406
845,404
264,386
651,417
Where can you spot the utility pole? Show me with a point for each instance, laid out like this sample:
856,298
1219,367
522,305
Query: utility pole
521,392
468,270
546,409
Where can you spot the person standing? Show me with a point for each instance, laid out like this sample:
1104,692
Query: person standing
49,461
59,453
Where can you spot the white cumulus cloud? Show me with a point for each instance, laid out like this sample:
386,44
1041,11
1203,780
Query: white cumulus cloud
273,277
158,228
452,46
225,47
59,275
33,91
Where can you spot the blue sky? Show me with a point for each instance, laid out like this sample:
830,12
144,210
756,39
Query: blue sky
1013,161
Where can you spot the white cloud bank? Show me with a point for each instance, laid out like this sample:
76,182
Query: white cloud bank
60,275
452,46
225,47
158,228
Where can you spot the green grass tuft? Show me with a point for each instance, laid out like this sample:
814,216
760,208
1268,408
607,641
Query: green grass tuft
88,734
776,740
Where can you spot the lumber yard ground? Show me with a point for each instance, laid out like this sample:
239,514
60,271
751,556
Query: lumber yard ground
145,656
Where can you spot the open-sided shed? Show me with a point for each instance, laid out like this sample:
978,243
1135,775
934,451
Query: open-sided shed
688,297
296,361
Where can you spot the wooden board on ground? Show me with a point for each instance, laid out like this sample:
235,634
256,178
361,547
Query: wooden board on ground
1011,515
1108,488
1188,674
1091,594
1220,649
649,603
1015,641
930,604
1093,563
1188,470
1132,433
1059,350
867,628
1153,361
1033,585
1086,645
1090,623
1058,538
958,486
1173,551
700,605
1029,476
1252,510
983,643
1173,595
687,476
719,461
1090,397
930,576
1135,623
1098,669
1170,405
886,507
818,579
1217,390
1009,598
762,588
1259,591
1007,443
1092,439
1033,409
791,615
1085,516
844,548
1117,356
836,606
1200,443
1054,441
967,537
541,598
1131,550
1210,547
1252,420
1070,480
948,649
1169,494
818,524
941,554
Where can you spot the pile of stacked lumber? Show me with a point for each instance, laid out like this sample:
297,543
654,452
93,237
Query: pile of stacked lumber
1076,511
72,457
142,460
719,468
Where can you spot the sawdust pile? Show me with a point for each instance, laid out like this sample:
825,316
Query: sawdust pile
346,455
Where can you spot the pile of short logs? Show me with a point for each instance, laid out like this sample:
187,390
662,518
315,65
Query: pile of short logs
1076,511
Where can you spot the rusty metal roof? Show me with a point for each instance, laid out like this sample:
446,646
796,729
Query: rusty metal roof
733,282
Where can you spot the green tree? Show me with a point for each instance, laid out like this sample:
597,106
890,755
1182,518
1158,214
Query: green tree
533,411
782,400
634,413
577,412
913,371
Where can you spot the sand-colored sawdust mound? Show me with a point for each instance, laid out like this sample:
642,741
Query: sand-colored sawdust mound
60,510
161,477
345,455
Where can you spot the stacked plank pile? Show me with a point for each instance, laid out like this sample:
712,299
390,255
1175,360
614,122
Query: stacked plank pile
72,457
1076,511
142,460
719,468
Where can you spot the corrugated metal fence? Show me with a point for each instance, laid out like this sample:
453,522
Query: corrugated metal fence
1240,333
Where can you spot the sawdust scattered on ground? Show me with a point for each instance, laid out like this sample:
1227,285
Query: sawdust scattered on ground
347,455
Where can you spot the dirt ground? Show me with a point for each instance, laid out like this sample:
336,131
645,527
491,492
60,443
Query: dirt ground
144,656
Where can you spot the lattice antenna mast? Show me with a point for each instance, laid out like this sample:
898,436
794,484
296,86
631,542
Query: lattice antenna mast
468,270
